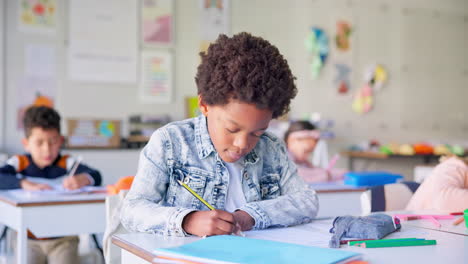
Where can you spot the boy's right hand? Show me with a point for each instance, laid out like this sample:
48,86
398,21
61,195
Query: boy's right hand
209,223
32,186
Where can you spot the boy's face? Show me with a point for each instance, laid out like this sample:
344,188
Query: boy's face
43,145
235,128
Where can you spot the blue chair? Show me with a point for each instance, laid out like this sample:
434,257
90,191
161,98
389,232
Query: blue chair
388,197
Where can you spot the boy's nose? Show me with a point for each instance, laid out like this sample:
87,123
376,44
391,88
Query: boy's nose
241,142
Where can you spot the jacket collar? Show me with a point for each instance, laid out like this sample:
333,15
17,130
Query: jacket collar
202,138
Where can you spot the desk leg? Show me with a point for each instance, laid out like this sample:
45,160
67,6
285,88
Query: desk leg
22,246
351,163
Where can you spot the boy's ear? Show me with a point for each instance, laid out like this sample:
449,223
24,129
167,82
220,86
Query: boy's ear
203,107
24,141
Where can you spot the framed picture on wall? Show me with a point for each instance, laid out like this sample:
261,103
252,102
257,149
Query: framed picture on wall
156,77
157,23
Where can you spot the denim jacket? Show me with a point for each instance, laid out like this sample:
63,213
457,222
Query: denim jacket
276,196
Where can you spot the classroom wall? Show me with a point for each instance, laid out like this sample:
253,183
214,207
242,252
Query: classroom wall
422,43
2,73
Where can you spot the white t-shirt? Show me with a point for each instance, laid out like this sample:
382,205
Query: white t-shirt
235,198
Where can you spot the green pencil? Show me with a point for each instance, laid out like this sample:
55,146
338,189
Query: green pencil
196,195
352,243
407,243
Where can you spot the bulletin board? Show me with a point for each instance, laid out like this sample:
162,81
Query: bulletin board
93,133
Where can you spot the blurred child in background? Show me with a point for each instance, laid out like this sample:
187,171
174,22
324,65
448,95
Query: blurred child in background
445,189
301,139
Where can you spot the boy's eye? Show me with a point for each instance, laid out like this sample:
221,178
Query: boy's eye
232,130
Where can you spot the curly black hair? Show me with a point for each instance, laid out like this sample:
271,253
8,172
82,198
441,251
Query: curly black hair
248,69
40,116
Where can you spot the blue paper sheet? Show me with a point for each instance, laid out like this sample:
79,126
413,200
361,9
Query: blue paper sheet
235,249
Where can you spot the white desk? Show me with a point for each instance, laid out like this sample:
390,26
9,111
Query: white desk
450,248
60,215
335,199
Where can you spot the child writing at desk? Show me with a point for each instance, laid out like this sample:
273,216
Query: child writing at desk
224,155
301,139
43,141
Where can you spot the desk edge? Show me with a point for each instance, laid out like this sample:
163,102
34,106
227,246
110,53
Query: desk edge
132,248
31,204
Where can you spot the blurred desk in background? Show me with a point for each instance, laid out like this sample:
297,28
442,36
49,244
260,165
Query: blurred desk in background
371,155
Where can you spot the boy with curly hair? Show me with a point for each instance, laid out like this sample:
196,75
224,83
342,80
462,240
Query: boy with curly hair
225,155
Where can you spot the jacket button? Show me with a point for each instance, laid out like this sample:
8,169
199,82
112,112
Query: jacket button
246,175
186,179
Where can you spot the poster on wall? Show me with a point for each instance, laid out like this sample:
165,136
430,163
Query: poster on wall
156,77
157,23
38,86
214,20
103,46
39,60
34,90
37,16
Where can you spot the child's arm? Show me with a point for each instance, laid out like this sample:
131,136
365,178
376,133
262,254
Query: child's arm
8,179
84,176
95,178
209,223
449,180
143,208
296,204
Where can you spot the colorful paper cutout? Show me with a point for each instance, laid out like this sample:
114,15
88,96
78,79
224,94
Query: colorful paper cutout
316,44
342,79
375,77
343,33
363,100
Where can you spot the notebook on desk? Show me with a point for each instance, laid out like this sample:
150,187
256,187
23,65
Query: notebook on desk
235,249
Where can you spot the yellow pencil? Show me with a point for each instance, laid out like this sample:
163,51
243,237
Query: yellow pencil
196,195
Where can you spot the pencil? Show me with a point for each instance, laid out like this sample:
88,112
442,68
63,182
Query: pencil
344,242
361,241
75,166
379,244
458,221
333,162
456,213
196,195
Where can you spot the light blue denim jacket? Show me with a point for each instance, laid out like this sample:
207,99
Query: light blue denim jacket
156,203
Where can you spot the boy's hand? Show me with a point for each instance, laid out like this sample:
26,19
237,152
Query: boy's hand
244,220
76,181
32,186
209,223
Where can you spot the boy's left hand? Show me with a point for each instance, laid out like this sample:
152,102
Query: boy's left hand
76,181
245,221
